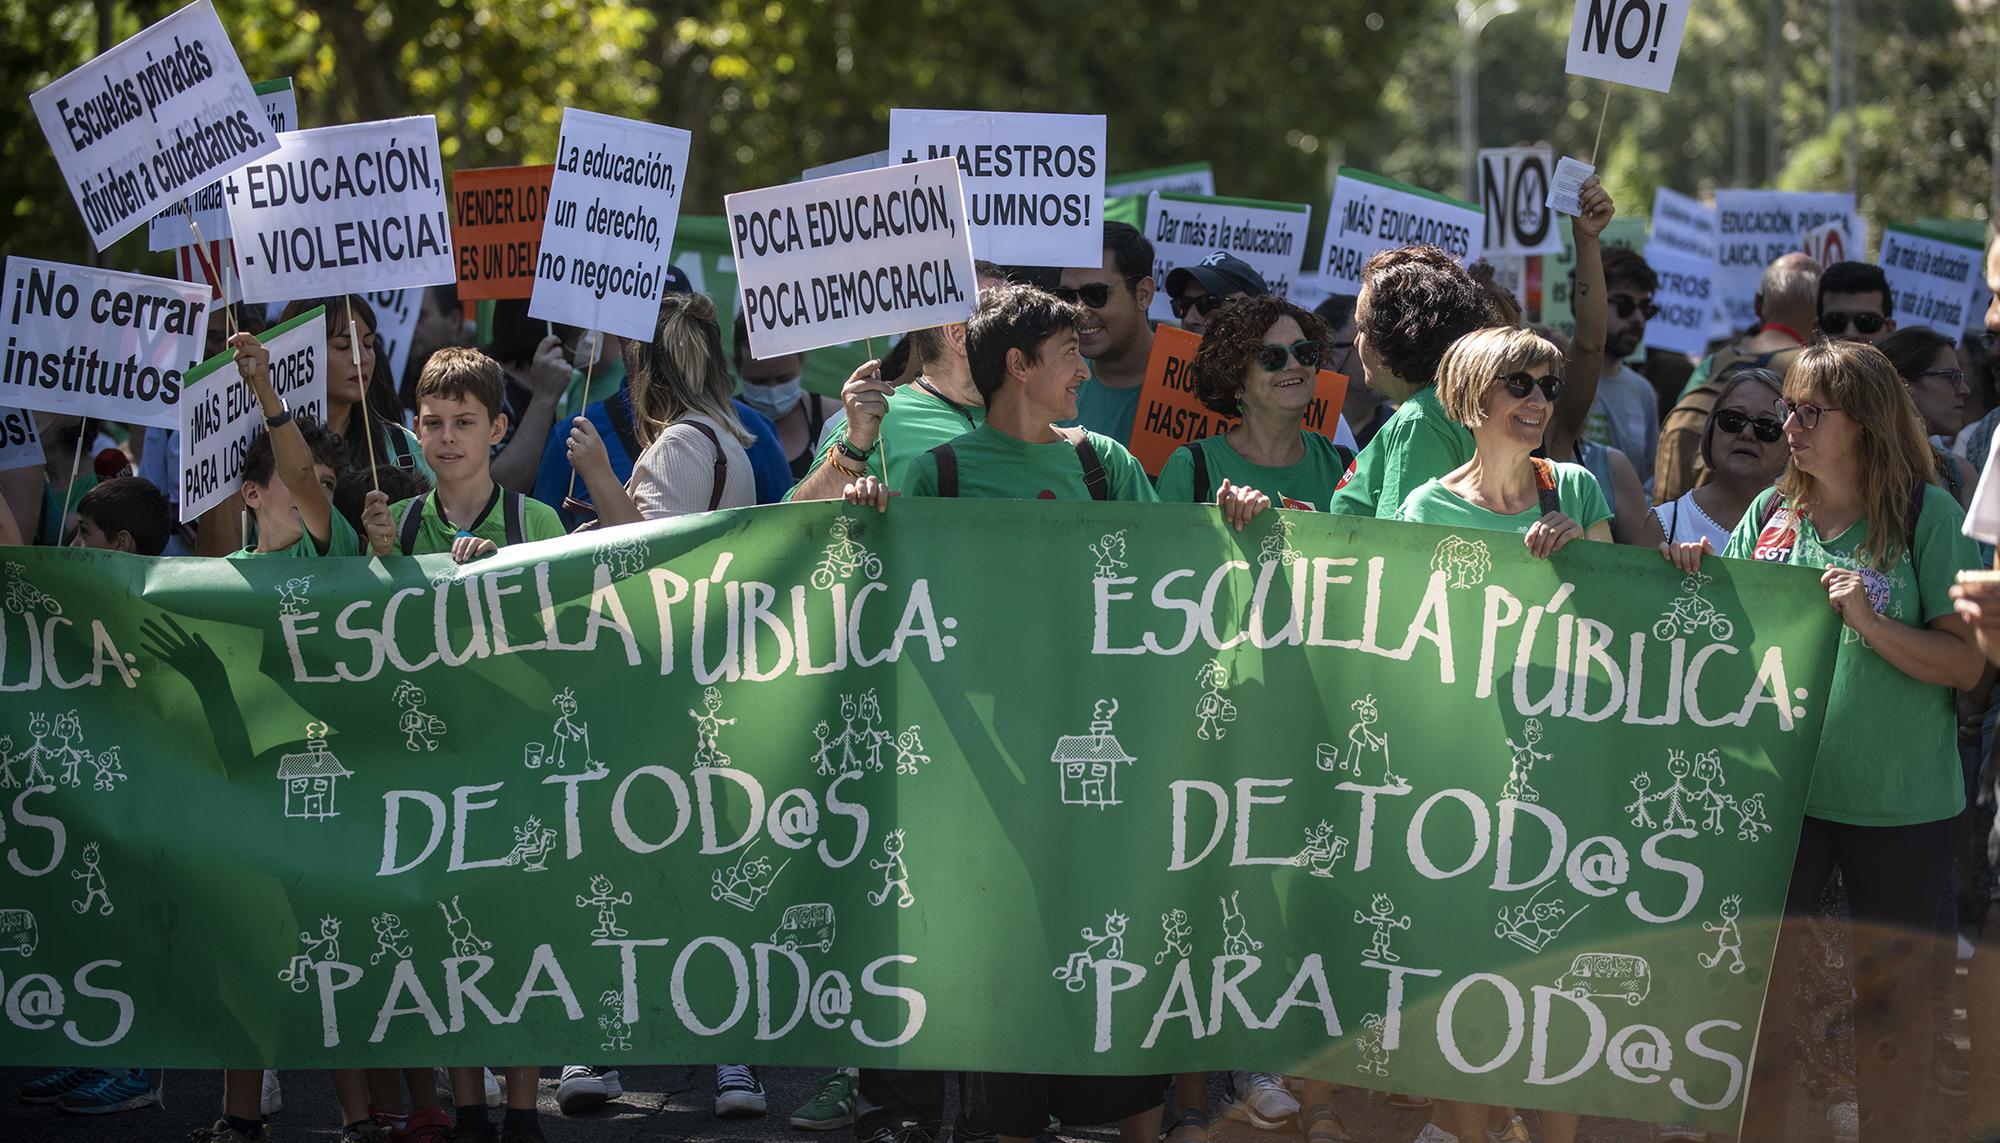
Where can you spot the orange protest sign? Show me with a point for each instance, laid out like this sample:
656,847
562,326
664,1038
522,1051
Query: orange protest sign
1169,416
496,222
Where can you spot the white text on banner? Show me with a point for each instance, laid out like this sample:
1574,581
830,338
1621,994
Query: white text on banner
99,343
220,417
1372,213
1034,184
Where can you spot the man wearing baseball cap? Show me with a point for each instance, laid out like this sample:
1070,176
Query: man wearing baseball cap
1199,290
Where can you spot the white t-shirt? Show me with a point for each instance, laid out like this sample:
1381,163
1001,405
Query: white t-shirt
675,476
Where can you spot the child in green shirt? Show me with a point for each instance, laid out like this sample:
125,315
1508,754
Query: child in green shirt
288,473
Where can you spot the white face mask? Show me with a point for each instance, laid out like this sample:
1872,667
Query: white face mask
773,400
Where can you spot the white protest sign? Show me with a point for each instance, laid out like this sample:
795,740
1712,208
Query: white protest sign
1188,178
395,322
1372,213
98,343
1683,225
1185,229
170,229
1633,42
342,210
1685,296
1513,191
849,257
20,440
1034,184
151,120
609,234
872,161
1756,227
1931,277
1832,232
227,287
220,417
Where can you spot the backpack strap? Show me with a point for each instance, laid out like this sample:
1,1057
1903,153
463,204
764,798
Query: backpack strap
413,522
398,447
947,465
1545,484
1095,478
515,506
721,471
1200,457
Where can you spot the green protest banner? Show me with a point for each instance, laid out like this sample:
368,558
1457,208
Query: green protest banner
1067,788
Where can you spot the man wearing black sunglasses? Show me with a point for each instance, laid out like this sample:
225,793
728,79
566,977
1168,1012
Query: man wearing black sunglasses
1116,337
1626,414
1855,303
1201,289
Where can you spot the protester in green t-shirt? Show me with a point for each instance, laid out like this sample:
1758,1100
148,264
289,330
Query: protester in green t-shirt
1887,791
1116,336
1415,301
1259,360
288,473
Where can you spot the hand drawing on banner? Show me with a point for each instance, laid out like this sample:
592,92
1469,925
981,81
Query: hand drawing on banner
1108,945
1381,917
464,942
1211,710
1525,757
292,595
416,723
1090,762
392,940
844,556
863,717
1750,823
318,950
1236,938
825,767
606,904
108,770
23,596
805,927
95,891
1178,935
18,933
68,757
1368,1041
1323,849
312,778
1537,923
625,558
1277,546
617,1034
1690,614
1464,562
895,874
1363,740
745,883
1608,976
910,751
708,730
1109,551
533,842
569,733
1728,937
38,728
1708,771
1678,797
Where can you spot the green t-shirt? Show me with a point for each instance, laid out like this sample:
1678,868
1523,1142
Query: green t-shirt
1577,492
1418,443
436,534
341,540
917,420
1888,754
1106,411
1305,484
995,466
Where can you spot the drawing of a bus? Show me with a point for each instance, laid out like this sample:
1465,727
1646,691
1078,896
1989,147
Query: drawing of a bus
17,932
1616,976
805,926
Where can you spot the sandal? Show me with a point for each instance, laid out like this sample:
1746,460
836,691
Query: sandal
1191,1126
1402,1102
1323,1125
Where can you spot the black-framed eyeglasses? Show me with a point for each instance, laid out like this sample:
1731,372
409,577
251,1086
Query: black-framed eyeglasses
1807,412
1305,351
1835,322
1520,384
1733,421
1625,304
1954,377
1207,304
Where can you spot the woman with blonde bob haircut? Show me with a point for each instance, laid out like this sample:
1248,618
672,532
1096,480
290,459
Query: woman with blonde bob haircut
1502,383
694,458
1857,500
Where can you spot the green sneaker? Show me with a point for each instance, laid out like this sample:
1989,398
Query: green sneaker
832,1106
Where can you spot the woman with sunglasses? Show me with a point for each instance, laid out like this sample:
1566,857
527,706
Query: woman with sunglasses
1927,361
1743,449
1258,361
1857,501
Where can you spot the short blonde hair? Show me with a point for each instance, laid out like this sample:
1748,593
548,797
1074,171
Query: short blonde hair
1475,363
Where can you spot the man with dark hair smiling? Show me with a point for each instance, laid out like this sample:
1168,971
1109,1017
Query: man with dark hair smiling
1855,303
1111,300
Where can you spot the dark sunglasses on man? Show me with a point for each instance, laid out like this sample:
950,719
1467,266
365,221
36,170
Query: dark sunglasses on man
1519,385
1271,358
1626,303
1732,421
1207,304
1835,322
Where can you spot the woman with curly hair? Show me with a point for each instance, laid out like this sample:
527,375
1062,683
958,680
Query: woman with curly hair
1258,361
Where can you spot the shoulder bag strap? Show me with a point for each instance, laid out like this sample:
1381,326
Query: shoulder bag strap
721,476
413,522
1094,477
947,464
515,506
1545,485
1200,457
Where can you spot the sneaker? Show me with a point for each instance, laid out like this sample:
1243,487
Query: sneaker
271,1099
1323,1125
441,1079
1263,1099
832,1105
1845,1120
53,1086
424,1125
1402,1102
1190,1126
222,1132
906,1131
113,1091
738,1095
583,1088
1516,1131
1432,1133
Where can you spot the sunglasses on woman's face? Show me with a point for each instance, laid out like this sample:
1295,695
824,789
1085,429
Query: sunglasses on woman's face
1207,304
1519,385
1626,303
1093,294
1271,358
1835,322
1733,421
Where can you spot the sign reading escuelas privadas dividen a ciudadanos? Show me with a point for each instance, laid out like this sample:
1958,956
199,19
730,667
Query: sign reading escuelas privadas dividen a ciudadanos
1067,788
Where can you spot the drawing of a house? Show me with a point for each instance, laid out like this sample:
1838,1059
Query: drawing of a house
1090,762
312,778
